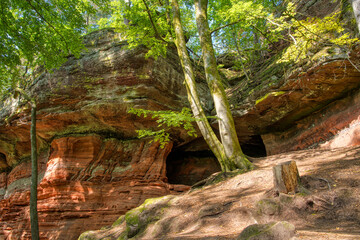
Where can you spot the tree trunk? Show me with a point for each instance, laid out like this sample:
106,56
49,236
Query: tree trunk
356,9
190,84
34,222
34,174
286,177
234,157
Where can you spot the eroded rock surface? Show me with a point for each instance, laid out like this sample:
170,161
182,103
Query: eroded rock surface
305,108
93,94
86,182
92,168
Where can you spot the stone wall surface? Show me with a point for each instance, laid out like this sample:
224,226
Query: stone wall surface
86,183
297,96
304,108
337,125
92,168
92,94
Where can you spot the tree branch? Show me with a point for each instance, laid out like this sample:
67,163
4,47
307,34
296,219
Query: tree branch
224,26
157,35
50,25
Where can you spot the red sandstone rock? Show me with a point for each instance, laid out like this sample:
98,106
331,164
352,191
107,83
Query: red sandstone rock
88,182
89,178
92,177
335,126
92,94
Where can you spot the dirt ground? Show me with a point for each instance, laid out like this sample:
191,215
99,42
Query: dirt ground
329,206
326,207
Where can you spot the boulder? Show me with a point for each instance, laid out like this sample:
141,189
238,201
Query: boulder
270,231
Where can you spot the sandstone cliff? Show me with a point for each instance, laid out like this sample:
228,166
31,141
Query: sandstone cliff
94,169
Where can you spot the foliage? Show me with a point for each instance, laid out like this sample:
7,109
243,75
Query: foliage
142,22
147,22
34,33
166,120
245,29
312,33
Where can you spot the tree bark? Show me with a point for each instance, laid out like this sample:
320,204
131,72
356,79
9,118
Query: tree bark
286,177
34,222
234,157
193,97
356,9
34,175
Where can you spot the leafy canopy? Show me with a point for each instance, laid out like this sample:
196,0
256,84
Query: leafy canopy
40,32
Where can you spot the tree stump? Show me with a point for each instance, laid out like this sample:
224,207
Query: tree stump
286,177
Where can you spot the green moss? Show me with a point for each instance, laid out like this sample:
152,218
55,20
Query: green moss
132,216
139,218
90,127
87,236
275,94
123,236
119,221
121,169
268,207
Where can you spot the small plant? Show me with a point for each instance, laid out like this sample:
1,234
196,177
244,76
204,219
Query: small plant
166,120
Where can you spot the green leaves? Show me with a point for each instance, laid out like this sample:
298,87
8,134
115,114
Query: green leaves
312,34
166,120
142,22
34,33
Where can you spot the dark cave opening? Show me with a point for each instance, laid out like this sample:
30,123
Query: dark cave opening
5,167
2,156
254,147
188,167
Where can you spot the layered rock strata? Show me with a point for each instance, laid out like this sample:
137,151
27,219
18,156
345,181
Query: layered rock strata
86,183
305,108
92,168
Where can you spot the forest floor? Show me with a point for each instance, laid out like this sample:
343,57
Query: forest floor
327,207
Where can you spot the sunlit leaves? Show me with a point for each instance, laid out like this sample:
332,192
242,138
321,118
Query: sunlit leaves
45,33
313,33
247,30
141,22
166,120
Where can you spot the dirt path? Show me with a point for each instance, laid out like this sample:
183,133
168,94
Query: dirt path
328,208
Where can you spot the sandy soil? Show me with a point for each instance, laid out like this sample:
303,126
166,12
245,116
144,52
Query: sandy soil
327,207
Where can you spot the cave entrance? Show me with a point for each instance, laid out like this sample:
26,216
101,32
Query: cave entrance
3,162
254,147
188,168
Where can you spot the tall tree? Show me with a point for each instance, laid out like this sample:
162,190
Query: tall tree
193,97
149,25
34,33
234,157
34,220
228,151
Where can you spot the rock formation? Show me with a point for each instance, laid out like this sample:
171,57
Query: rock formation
327,207
91,166
305,109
